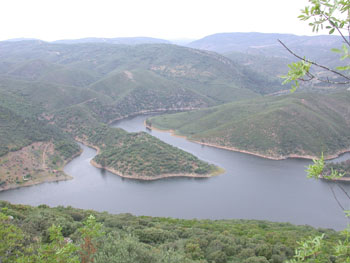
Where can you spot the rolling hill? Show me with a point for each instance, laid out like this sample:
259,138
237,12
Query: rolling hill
78,89
75,90
206,73
275,127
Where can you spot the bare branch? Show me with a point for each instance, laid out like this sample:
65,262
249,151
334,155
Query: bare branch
318,65
312,76
337,28
345,192
336,199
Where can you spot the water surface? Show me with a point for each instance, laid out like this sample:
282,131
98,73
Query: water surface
251,188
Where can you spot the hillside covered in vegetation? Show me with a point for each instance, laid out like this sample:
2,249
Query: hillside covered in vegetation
295,125
53,94
43,234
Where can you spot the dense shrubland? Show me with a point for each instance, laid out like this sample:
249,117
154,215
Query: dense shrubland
35,234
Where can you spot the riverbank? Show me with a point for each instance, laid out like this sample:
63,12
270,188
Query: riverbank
340,179
44,175
156,177
234,149
47,179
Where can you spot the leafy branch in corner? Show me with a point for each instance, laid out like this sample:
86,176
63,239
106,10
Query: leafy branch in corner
331,15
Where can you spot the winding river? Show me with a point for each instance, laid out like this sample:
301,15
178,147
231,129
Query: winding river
251,188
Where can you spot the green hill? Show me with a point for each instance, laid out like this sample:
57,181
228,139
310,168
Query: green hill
276,127
49,96
36,110
32,150
206,73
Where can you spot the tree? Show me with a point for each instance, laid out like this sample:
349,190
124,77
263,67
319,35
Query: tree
89,232
14,237
334,16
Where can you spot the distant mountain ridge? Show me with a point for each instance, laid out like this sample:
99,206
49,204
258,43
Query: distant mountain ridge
117,40
263,53
254,42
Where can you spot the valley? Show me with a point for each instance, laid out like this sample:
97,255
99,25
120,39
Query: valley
72,90
74,130
272,183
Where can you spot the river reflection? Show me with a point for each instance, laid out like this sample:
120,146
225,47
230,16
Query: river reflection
251,188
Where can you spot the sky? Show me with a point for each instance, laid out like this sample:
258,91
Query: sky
177,19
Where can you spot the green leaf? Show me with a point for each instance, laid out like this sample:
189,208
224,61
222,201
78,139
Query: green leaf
316,169
336,50
343,68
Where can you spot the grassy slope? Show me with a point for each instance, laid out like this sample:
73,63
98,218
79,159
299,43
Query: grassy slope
299,124
153,239
208,74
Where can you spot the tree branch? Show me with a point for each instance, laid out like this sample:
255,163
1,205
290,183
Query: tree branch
338,29
318,65
312,76
336,199
345,192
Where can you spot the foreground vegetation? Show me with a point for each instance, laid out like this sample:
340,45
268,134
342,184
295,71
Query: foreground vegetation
43,234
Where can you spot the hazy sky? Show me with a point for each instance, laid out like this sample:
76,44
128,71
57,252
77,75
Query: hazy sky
62,19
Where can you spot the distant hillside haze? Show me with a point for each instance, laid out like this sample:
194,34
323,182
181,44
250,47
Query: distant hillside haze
146,66
263,53
250,42
117,40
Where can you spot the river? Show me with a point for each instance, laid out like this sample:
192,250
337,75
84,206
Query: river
251,188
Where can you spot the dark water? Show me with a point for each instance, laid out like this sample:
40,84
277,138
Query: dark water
251,188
